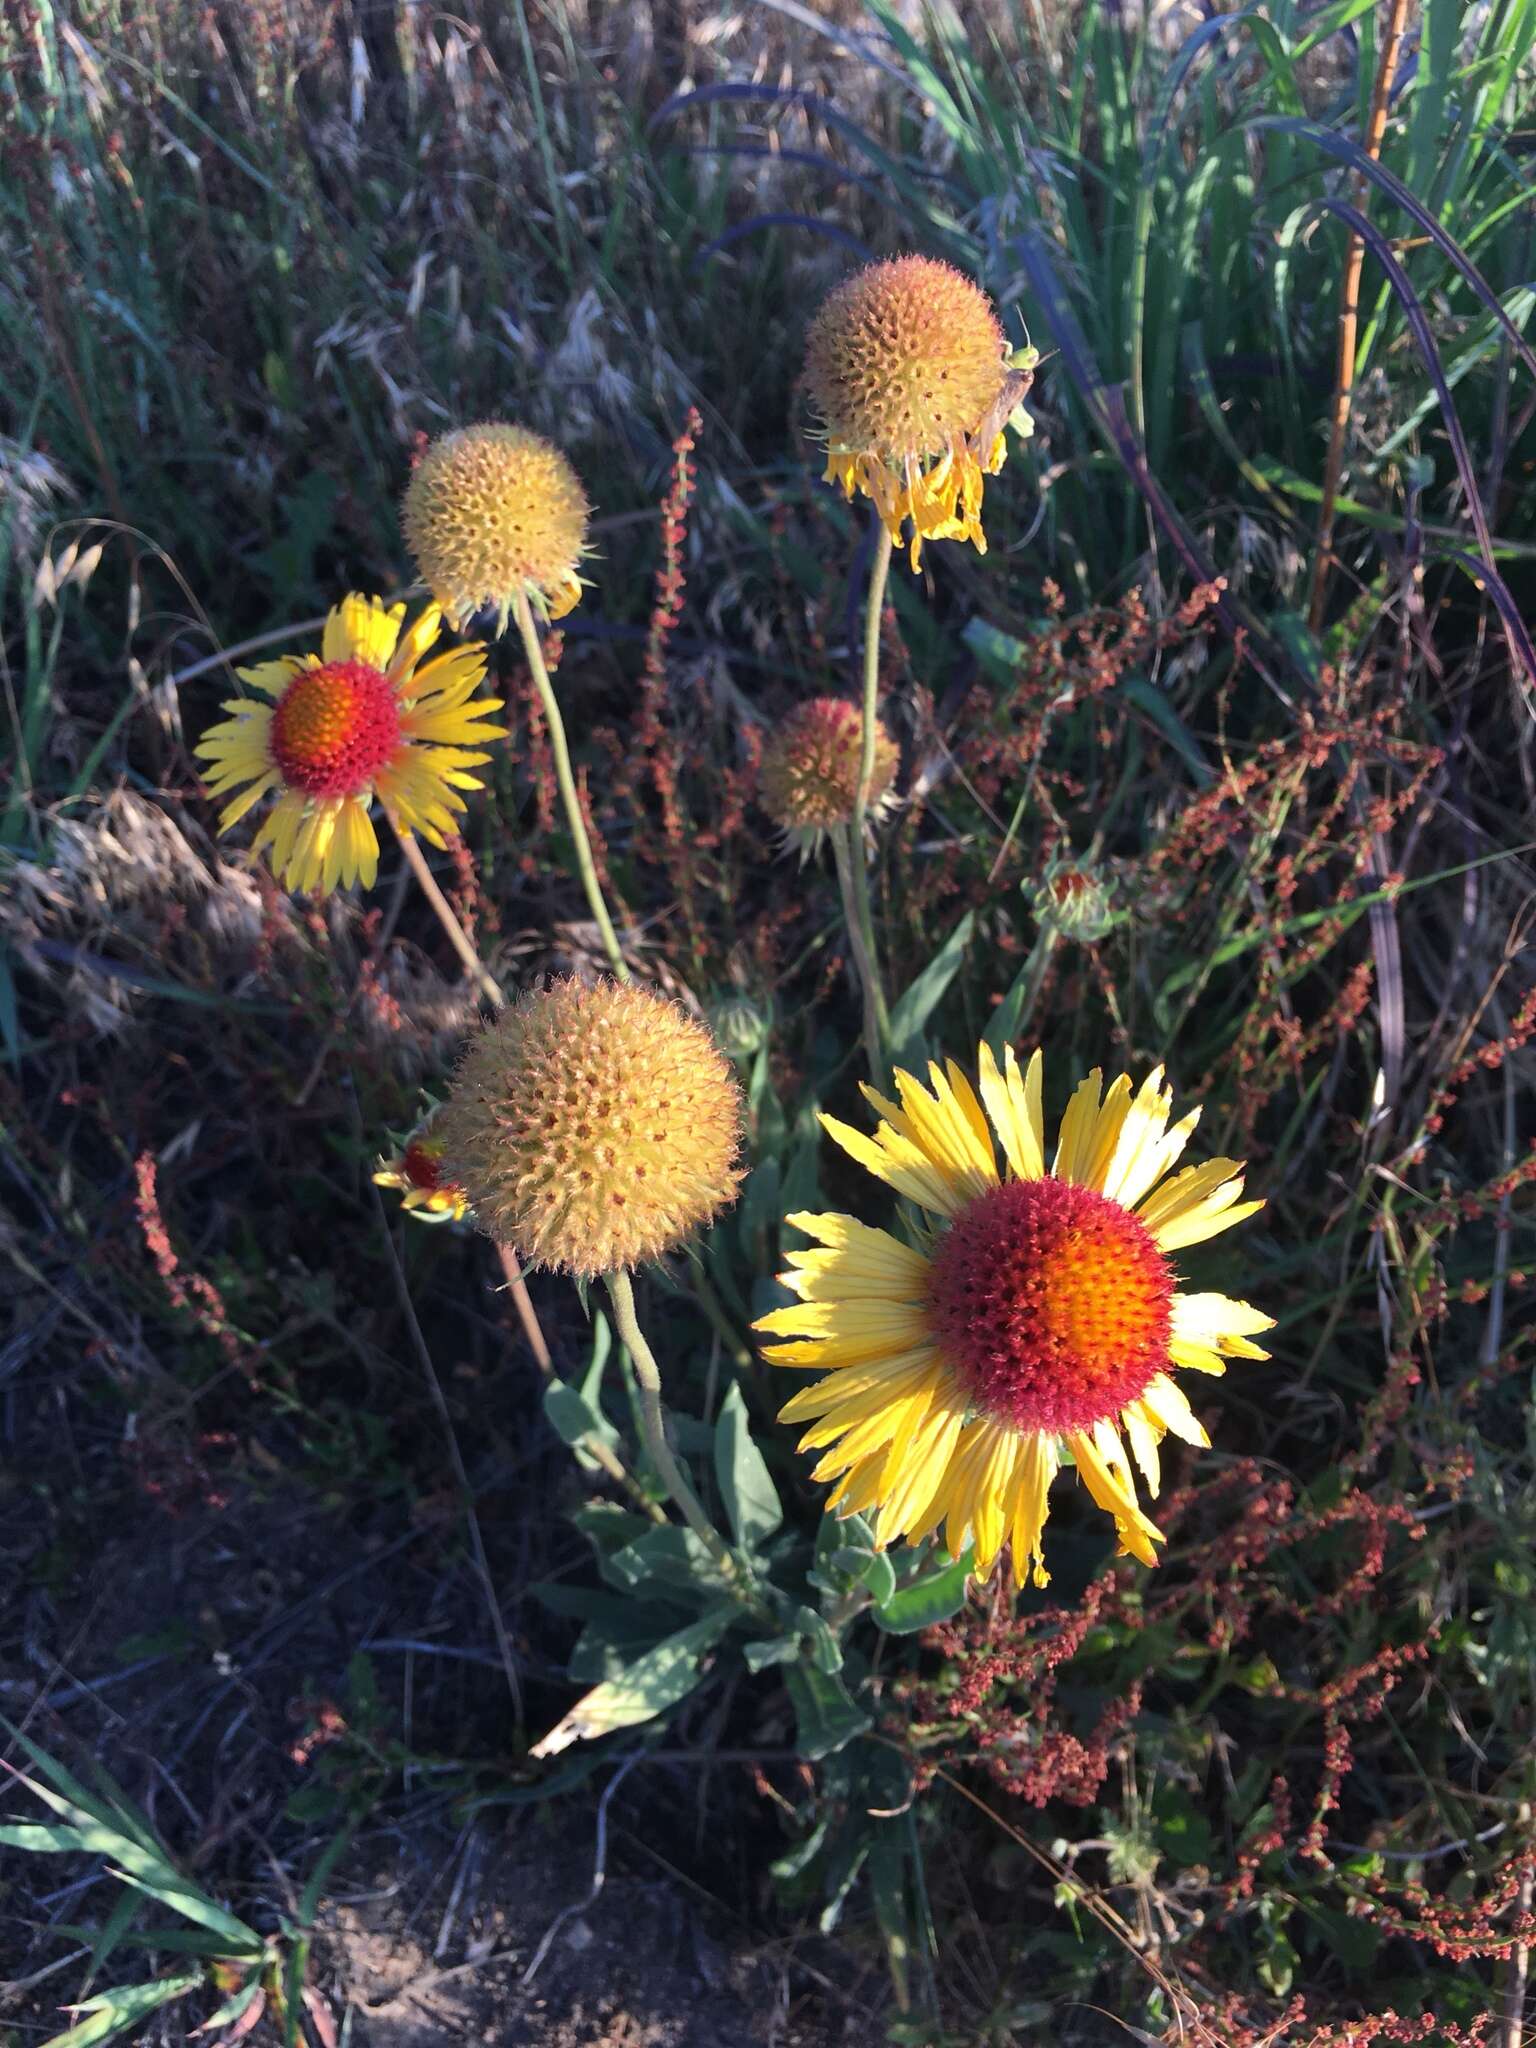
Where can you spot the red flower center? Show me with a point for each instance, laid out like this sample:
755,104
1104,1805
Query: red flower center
1052,1303
334,728
423,1165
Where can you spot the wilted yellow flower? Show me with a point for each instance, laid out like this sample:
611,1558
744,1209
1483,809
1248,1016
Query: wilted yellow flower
492,511
906,365
809,777
417,1171
367,716
1039,1314
593,1128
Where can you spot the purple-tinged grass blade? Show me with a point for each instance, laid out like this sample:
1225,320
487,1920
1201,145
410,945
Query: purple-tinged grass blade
1351,153
1418,322
759,221
1105,403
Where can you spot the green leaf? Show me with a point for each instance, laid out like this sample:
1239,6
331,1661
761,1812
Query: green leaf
658,1680
826,1716
234,2008
38,1839
1354,1942
796,1857
671,1554
171,1941
888,1894
825,1650
114,2012
931,1597
576,1422
912,1010
879,1576
749,1494
777,1650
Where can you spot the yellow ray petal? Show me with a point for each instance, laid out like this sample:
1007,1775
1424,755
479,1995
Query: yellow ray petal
1143,1432
361,629
899,1163
909,1486
233,812
1187,1190
1039,1462
1099,1151
414,642
850,1392
1166,1403
1221,1212
1139,1141
889,1425
1074,1145
1014,1107
1110,1488
878,1266
271,678
1207,1328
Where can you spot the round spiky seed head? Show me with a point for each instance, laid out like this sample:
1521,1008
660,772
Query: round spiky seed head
493,510
593,1127
809,777
904,360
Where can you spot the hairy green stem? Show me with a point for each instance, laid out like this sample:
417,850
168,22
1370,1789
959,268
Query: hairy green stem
877,1029
653,1423
523,613
848,857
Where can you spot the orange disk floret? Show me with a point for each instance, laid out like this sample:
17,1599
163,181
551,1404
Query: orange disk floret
493,511
593,1128
1052,1304
809,777
334,728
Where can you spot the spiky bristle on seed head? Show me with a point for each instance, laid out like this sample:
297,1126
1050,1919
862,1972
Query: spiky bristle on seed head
593,1127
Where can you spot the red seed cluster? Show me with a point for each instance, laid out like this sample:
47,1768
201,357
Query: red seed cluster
334,728
1052,1303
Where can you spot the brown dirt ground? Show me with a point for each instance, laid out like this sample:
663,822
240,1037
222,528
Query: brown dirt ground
431,1923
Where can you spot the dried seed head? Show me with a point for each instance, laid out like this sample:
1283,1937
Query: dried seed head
593,1127
904,360
905,363
809,777
493,510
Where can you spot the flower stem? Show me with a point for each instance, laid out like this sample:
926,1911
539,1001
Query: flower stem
653,1423
847,858
522,612
458,938
490,988
877,1027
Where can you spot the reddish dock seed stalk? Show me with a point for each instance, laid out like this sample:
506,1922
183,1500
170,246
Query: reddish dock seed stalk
653,742
190,1292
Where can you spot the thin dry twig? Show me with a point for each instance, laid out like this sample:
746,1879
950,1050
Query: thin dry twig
1349,318
439,1402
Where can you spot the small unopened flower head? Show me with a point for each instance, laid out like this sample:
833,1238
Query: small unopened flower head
492,511
809,777
1075,900
905,363
740,1026
593,1128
